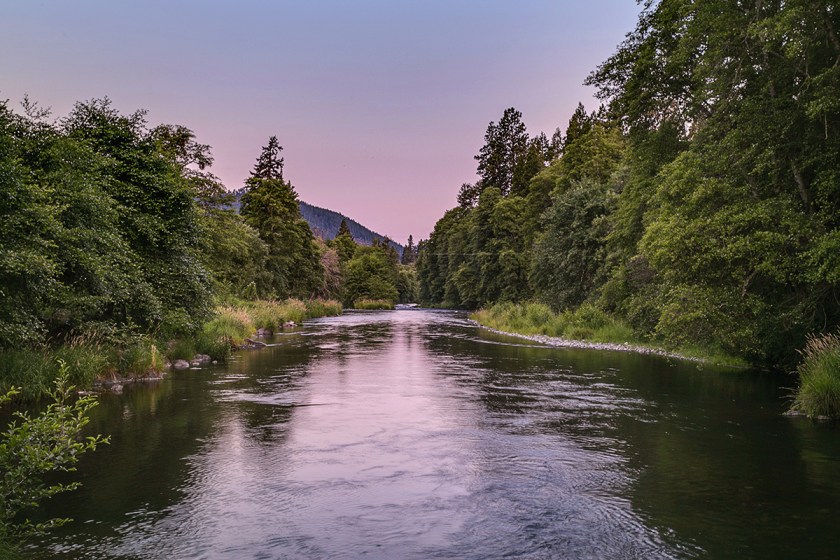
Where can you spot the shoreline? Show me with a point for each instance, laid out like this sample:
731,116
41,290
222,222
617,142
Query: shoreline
559,342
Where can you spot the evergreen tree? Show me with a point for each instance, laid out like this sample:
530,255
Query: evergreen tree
270,206
343,229
504,152
409,252
344,243
269,165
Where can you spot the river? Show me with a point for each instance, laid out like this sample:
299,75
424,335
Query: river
415,434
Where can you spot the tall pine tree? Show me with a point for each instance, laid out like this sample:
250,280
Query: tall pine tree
270,205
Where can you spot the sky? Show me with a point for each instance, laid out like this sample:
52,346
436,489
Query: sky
380,105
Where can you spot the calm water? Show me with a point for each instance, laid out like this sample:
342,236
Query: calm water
413,434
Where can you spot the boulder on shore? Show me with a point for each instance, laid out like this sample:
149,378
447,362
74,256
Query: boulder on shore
181,364
202,359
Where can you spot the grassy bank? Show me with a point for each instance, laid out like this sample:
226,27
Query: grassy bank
93,358
818,395
373,304
586,323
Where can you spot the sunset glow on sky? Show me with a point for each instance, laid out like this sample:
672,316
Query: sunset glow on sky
379,104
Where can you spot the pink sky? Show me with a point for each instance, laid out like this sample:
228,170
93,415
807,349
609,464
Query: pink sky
380,105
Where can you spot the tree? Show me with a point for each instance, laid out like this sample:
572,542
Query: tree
371,274
569,257
344,229
409,252
504,153
269,164
270,206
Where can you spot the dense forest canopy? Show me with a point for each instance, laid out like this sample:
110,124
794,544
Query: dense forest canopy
700,203
111,228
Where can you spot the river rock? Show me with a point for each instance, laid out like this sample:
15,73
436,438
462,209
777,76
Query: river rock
202,359
250,343
181,364
264,332
289,325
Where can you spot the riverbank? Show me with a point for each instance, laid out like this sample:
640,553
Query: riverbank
586,327
588,345
113,359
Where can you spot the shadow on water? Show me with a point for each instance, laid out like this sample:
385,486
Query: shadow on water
415,434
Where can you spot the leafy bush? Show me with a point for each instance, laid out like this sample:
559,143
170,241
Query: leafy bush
32,447
819,378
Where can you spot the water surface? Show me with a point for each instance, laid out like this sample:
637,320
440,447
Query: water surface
415,434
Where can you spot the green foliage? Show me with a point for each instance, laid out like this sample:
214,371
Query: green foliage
409,254
323,308
270,206
818,394
408,287
181,349
371,274
232,324
98,227
85,358
234,255
370,304
530,318
35,446
569,256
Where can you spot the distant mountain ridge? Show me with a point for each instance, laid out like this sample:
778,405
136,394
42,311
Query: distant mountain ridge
324,223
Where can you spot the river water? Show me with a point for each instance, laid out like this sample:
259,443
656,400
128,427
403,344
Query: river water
415,434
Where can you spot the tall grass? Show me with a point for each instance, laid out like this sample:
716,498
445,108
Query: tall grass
270,314
36,369
233,324
585,323
92,357
373,304
323,308
818,394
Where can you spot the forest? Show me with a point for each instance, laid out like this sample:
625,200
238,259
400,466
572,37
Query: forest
120,250
698,206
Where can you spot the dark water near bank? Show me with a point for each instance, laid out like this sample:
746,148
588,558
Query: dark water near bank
412,434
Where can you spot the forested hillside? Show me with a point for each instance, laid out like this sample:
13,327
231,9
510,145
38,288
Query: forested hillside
325,223
700,205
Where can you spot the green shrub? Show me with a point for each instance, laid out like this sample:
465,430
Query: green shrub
138,359
36,370
34,447
818,394
218,348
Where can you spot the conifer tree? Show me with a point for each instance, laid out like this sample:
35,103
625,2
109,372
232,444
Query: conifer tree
269,165
409,252
270,206
343,229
